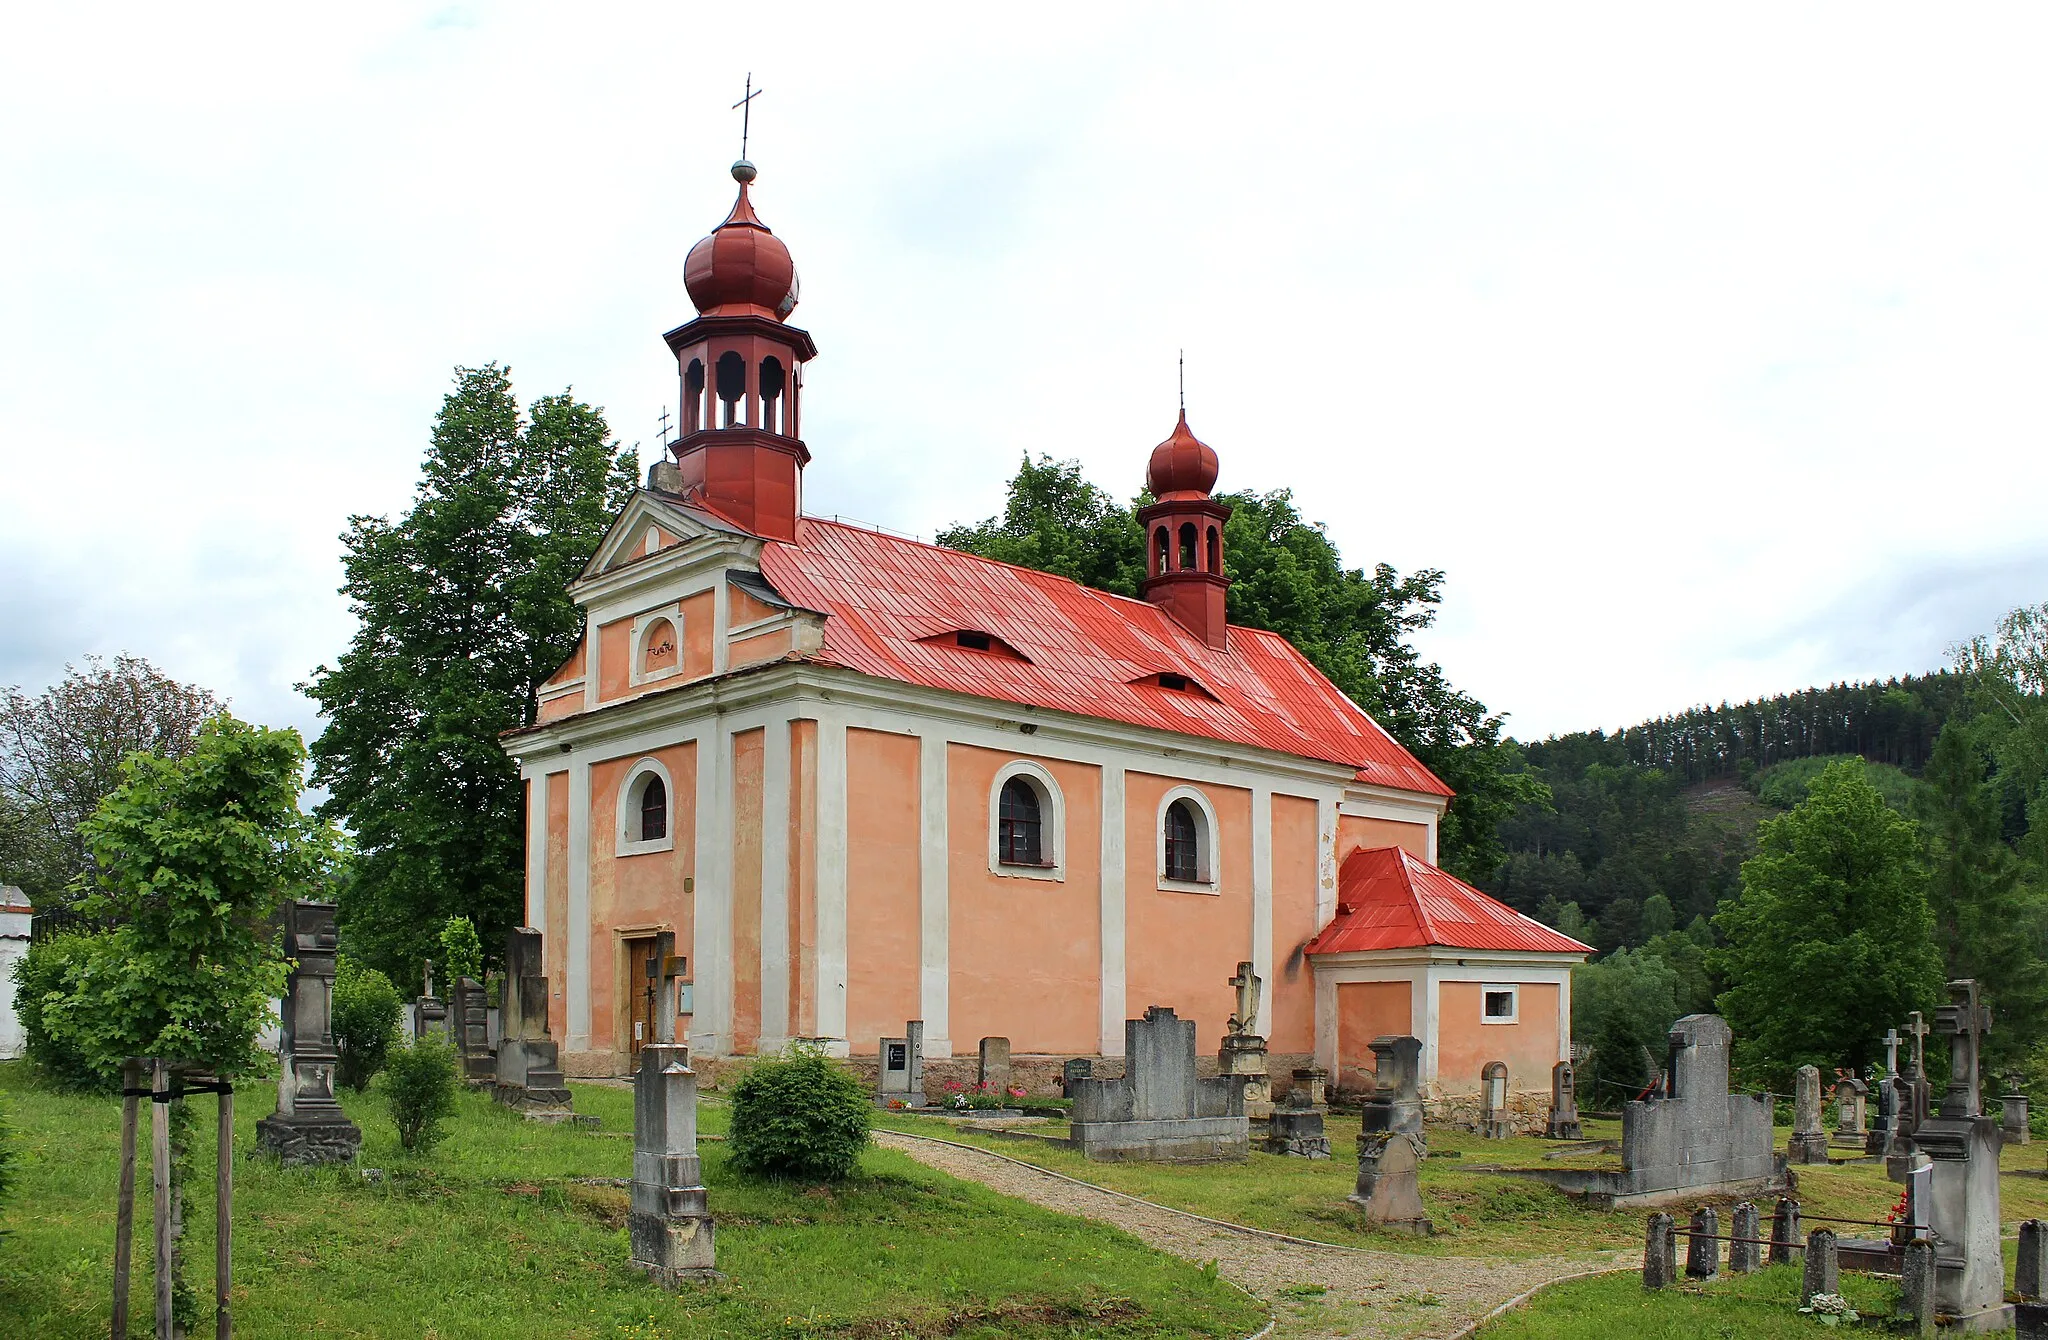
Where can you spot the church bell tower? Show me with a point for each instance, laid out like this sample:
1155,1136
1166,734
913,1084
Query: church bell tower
741,365
1184,537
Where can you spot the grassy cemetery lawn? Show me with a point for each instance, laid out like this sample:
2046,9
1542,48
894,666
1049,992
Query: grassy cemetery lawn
1763,1306
512,1227
1475,1213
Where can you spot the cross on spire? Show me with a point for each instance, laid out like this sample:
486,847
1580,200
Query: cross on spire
664,425
1183,381
745,107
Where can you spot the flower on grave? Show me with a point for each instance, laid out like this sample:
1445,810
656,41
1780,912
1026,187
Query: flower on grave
1016,1091
1830,1309
1898,1211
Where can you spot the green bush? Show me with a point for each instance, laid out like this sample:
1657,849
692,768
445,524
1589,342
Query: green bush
419,1081
800,1116
462,952
51,967
367,1012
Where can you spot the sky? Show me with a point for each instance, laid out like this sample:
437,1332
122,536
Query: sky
1701,350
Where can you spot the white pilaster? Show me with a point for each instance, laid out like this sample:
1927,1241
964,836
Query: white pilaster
831,848
536,913
1326,862
775,840
591,669
935,922
1426,988
711,926
1326,1023
1564,1015
721,612
577,959
1113,923
1262,902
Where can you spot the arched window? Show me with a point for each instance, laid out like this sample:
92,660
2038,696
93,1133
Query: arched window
1188,561
693,397
732,387
1019,825
1215,552
771,394
653,810
1161,552
1183,843
1026,823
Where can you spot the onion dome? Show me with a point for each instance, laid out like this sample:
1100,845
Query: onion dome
742,269
1183,466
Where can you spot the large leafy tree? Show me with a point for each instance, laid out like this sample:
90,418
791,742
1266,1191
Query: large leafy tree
1287,576
464,611
1830,939
61,752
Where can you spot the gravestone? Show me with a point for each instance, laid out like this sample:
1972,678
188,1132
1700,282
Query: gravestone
529,1069
2030,1271
1078,1067
1784,1231
1916,1280
1160,1110
1317,1081
1850,1097
1660,1253
429,1012
471,1020
1809,1143
2030,1321
1387,1189
1296,1128
1823,1272
899,1076
1886,1125
1564,1104
1699,1141
2012,1119
1962,1144
1396,1101
1702,1245
668,1224
1243,1053
1493,1102
1745,1239
992,1068
309,1125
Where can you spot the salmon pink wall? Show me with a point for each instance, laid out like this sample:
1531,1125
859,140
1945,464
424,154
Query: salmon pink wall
1465,1045
614,659
568,705
1368,1010
1183,948
700,613
1293,990
760,647
1026,956
572,669
882,897
803,878
746,890
555,934
1354,832
636,891
742,609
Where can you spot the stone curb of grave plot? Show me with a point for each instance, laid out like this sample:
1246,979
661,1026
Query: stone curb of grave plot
1471,1328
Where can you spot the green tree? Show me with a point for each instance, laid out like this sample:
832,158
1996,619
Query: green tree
1658,918
462,953
61,752
463,611
366,1017
1831,937
1287,577
1623,1005
1988,922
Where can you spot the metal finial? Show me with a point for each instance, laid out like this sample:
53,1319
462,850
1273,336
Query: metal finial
1183,382
745,107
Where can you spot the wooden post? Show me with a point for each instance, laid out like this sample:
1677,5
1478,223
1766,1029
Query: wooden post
124,1212
223,1202
160,1185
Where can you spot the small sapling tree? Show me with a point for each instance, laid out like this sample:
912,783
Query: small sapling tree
367,1012
462,951
419,1081
800,1116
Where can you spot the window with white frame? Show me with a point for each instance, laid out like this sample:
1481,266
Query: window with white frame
647,814
657,644
1187,841
1026,823
1499,1004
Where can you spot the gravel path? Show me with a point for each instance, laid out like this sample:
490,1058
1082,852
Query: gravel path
1316,1290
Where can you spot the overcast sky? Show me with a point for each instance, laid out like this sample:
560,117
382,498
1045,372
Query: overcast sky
1702,351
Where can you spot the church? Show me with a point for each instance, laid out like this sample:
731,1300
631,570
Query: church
865,780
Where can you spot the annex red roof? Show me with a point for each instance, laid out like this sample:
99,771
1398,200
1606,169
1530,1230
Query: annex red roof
1386,899
1085,651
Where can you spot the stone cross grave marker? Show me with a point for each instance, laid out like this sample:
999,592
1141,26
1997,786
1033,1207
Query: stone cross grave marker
1160,1110
1564,1104
529,1073
1493,1101
1243,1053
309,1125
668,1224
1962,1146
899,1078
1247,985
1809,1143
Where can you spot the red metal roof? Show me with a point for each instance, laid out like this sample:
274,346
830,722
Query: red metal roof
885,595
1387,899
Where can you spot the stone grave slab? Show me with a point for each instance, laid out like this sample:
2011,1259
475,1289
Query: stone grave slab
1160,1111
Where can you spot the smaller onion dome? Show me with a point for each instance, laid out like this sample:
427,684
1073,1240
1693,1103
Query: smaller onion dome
1183,466
741,269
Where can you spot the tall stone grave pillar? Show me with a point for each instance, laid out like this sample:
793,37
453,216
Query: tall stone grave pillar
1963,1145
1396,1102
1243,1053
471,1025
1493,1102
669,1222
2012,1117
529,1073
1809,1143
1564,1104
309,1125
899,1075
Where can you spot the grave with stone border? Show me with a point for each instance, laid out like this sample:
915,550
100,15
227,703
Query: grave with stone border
1160,1110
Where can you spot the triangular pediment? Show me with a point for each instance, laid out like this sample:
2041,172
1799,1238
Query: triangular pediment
626,541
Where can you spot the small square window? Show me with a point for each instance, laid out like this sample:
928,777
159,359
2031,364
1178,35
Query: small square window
1498,1005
